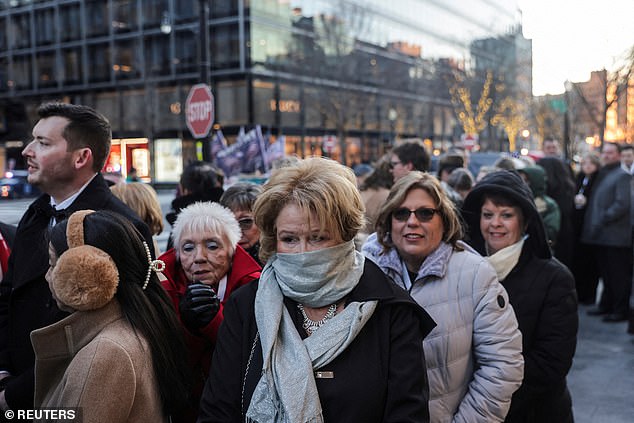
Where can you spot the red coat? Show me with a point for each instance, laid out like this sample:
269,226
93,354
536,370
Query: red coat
201,345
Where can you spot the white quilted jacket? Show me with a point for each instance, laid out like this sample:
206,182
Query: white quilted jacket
474,354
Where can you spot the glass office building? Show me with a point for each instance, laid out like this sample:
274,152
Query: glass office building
364,71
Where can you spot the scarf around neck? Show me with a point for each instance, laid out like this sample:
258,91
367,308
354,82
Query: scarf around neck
505,259
287,391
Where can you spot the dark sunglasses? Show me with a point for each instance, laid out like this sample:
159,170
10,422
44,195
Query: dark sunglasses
424,214
245,224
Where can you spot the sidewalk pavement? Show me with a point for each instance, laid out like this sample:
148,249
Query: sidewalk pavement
601,380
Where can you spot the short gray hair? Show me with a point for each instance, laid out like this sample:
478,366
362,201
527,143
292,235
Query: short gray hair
207,217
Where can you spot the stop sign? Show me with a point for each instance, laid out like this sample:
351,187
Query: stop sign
469,140
329,143
199,110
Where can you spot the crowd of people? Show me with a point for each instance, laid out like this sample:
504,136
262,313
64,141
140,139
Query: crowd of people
381,293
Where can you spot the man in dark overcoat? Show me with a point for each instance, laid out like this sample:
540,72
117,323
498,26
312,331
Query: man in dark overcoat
608,227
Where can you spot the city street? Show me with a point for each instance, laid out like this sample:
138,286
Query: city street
601,377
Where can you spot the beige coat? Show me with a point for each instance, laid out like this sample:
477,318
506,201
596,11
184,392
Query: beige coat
93,360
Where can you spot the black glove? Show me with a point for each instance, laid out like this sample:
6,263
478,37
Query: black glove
199,306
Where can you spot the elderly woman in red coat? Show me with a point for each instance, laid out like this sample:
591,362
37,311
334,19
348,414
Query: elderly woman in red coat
202,270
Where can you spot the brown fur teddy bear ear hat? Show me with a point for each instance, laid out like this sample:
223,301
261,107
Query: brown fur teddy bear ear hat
84,277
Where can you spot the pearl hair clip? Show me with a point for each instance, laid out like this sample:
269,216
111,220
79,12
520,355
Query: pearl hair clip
156,265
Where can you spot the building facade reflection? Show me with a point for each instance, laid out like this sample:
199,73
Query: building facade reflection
304,69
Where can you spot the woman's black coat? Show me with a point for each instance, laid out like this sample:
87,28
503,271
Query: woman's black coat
542,293
380,377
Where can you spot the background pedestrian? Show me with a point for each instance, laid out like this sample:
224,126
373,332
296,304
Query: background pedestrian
239,198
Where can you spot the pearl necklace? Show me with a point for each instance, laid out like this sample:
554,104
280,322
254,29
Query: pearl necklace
311,326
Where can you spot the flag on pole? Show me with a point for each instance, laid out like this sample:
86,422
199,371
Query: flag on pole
254,151
276,150
218,143
246,155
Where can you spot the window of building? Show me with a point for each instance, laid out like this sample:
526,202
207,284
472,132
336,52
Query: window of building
134,112
167,114
125,16
126,60
4,74
185,11
20,33
72,66
153,11
99,62
45,27
263,95
289,106
22,72
274,9
313,116
225,47
3,34
269,45
108,103
157,59
186,59
46,69
70,20
232,95
97,19
223,8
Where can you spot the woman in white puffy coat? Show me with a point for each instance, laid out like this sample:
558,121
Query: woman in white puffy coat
474,355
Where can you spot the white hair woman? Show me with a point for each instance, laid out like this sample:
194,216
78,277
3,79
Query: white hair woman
202,270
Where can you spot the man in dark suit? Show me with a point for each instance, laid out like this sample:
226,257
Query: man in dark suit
608,226
70,146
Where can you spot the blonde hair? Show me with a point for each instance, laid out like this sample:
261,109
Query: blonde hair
593,158
207,217
143,200
452,227
316,185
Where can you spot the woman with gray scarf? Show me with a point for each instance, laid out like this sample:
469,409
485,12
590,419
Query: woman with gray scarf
323,336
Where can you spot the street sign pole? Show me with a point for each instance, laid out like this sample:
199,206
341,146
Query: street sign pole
199,115
203,48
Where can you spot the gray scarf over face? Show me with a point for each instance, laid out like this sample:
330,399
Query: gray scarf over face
287,391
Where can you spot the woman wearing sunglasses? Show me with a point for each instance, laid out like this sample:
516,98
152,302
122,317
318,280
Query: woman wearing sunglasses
474,360
239,198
